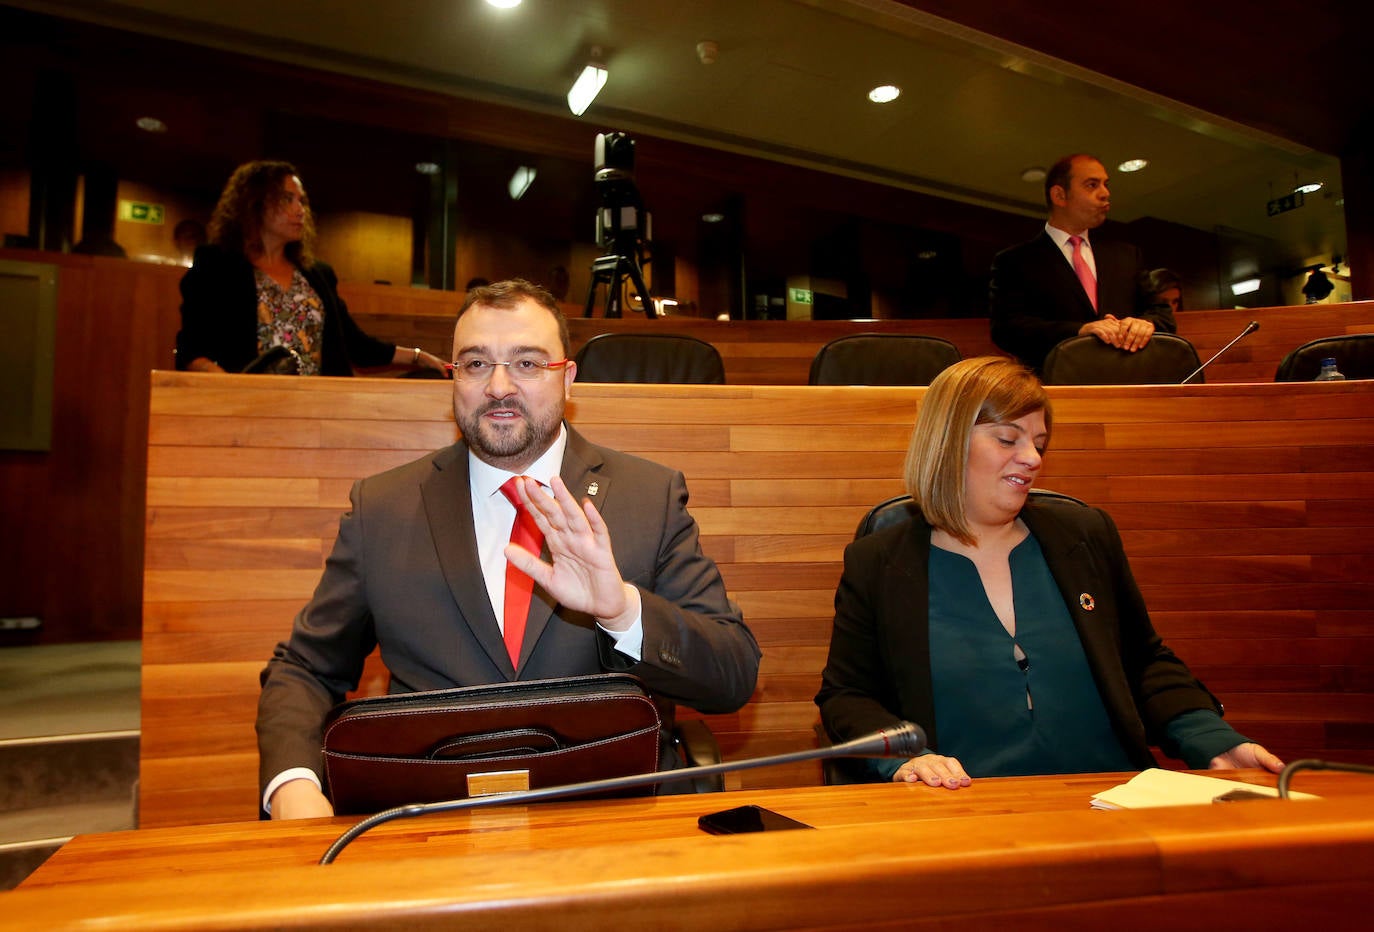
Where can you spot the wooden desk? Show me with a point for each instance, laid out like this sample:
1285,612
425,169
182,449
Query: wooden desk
883,856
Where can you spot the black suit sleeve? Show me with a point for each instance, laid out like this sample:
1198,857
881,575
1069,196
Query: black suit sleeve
218,311
346,345
1026,320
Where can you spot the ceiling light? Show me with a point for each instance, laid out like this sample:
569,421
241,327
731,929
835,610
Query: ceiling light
1132,165
884,93
712,217
504,4
1245,287
1312,187
1033,175
427,168
151,125
520,182
584,90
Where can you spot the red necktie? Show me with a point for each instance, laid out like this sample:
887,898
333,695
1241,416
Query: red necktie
1080,268
519,586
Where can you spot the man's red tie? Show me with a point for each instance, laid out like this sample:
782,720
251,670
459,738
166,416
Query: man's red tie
519,586
1080,268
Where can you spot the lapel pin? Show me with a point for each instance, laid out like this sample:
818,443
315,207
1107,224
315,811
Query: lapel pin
593,488
1086,600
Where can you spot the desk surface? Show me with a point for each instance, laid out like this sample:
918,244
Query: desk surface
905,855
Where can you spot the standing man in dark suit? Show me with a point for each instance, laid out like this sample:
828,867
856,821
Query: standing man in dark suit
423,564
1060,285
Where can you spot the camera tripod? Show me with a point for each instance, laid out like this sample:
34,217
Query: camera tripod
611,271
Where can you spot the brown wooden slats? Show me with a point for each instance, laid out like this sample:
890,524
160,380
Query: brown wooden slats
1248,511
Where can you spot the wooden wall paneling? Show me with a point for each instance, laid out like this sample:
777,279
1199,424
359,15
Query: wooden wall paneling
1251,552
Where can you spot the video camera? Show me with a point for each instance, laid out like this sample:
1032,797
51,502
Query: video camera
622,223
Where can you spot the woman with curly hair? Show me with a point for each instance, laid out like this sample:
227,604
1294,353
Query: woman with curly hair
256,286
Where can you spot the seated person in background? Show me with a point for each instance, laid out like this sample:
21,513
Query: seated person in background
1059,285
422,564
257,285
1011,630
1165,292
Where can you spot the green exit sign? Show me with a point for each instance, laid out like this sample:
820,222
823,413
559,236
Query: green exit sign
799,295
139,212
1281,205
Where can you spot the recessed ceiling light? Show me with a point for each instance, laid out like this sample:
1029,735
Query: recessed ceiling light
712,217
504,4
1033,175
884,93
1312,187
151,125
427,168
1132,165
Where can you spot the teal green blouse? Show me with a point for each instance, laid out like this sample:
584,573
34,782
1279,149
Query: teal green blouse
1042,714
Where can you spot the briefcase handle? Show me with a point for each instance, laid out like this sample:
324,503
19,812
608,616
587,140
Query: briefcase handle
514,742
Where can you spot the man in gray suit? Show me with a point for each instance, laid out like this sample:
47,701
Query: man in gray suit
1060,284
421,560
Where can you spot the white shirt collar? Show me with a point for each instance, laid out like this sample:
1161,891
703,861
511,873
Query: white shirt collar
487,479
1061,239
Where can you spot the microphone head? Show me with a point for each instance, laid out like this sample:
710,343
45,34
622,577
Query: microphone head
905,739
1254,325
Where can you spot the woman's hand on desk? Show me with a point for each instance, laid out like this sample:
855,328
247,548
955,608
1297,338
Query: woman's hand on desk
300,799
1246,755
933,770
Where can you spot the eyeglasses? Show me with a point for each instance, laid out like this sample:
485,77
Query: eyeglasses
524,368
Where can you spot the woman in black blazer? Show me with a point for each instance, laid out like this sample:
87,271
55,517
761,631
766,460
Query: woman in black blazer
1011,630
257,286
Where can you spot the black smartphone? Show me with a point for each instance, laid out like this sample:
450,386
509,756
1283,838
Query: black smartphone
743,819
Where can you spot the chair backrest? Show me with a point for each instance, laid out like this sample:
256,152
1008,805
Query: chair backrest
649,358
882,359
901,508
1166,360
1354,355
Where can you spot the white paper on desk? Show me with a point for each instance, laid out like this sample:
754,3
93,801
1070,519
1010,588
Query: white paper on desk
1156,787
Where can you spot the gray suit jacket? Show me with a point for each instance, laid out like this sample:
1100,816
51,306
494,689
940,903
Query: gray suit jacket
404,574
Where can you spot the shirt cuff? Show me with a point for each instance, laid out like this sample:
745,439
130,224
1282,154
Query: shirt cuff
295,773
629,642
1201,735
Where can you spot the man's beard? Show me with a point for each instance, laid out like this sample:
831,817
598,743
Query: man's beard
516,444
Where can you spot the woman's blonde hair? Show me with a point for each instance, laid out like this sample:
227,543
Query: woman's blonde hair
982,390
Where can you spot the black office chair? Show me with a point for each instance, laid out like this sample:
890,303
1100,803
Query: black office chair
1354,355
901,508
649,358
1166,360
882,359
838,771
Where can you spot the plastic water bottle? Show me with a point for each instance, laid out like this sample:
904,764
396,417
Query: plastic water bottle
1329,371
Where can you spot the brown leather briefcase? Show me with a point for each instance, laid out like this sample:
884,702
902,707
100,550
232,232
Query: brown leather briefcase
445,744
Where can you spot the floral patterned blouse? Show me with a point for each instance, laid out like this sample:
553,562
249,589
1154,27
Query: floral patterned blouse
292,317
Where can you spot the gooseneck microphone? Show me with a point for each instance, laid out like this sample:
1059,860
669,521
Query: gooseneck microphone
1311,763
901,740
1249,329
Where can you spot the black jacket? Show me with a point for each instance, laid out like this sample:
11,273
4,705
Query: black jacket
219,317
878,671
1036,301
